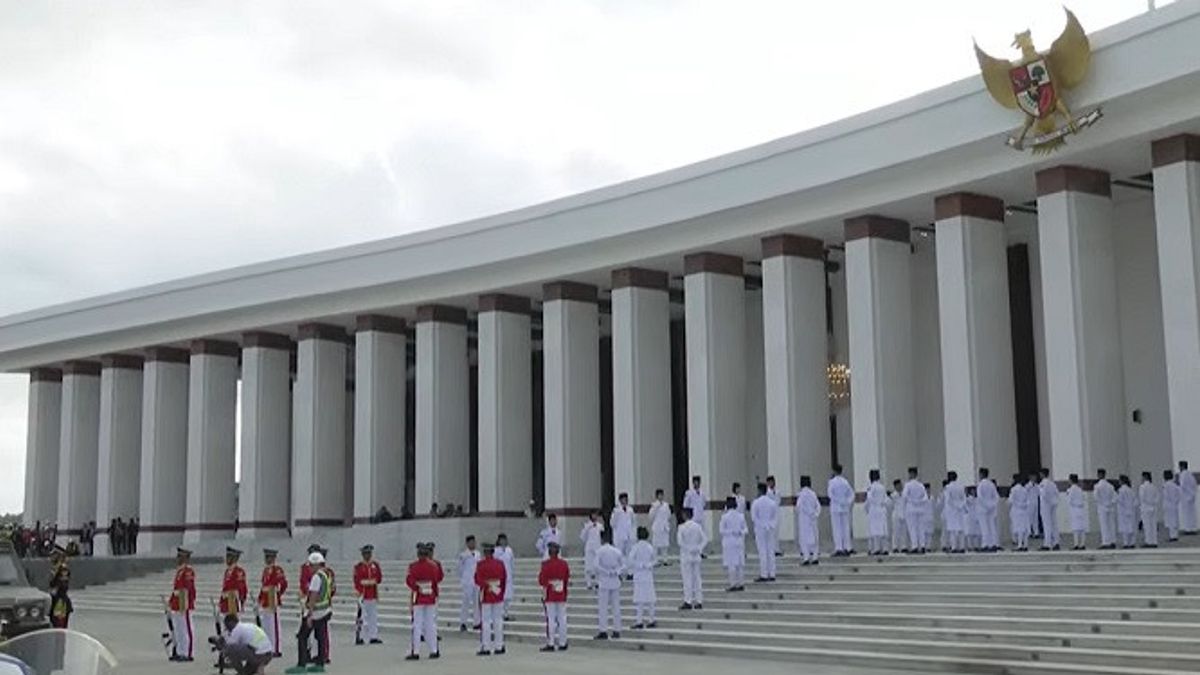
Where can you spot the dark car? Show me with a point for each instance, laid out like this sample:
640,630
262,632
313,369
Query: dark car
23,608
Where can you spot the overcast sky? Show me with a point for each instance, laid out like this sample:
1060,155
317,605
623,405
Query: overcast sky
142,141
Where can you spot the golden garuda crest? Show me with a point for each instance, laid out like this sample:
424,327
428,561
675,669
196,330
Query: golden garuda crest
1036,83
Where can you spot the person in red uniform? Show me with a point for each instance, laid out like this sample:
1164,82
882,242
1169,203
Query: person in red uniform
270,598
492,579
181,604
424,576
233,586
554,578
367,577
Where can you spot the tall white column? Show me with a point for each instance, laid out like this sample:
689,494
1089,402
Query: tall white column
796,358
1083,344
380,387
211,444
641,334
976,337
505,404
264,493
443,408
319,429
715,325
163,476
78,457
120,454
756,393
41,446
571,377
1177,223
879,300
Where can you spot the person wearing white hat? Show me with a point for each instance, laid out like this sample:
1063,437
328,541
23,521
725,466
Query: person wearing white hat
317,611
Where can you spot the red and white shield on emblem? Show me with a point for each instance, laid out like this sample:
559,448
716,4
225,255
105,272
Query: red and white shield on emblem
1033,88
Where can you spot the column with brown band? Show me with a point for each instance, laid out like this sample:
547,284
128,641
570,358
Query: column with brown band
120,454
211,445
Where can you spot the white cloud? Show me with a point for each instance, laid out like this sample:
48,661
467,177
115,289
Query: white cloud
143,141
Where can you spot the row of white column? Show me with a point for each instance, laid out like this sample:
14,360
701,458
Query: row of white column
82,453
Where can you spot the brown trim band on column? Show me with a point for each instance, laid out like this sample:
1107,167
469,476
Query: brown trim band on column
171,529
1181,148
207,347
265,340
320,331
121,361
45,375
263,525
570,512
640,277
208,527
442,314
81,368
380,323
503,302
1069,178
874,226
570,290
167,355
968,205
319,522
716,263
793,245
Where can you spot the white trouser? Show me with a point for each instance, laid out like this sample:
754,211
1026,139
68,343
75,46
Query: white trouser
899,534
764,541
737,575
775,540
1108,526
988,536
916,530
424,625
645,612
1050,536
182,623
608,601
270,626
491,637
370,620
661,552
692,591
1187,514
508,599
1171,522
840,521
1150,527
556,624
1021,536
468,612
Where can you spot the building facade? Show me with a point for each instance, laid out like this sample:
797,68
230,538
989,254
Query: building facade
895,289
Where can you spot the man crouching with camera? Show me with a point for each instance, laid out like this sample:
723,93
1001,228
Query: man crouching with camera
245,647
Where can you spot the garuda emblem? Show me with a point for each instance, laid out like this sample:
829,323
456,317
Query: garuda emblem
1035,84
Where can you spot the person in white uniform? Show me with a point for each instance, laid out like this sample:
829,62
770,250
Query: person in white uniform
660,526
590,536
1127,513
733,545
1077,512
808,513
549,534
695,500
504,554
778,499
928,509
1187,505
971,532
938,506
899,528
641,563
764,513
841,503
1048,502
1017,514
1171,497
735,491
468,611
610,566
1033,506
1105,496
954,512
877,515
622,523
916,499
691,538
988,503
1148,503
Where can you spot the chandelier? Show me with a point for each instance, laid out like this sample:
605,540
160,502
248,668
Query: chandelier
838,375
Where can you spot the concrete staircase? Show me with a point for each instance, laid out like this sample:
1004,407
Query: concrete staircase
1065,612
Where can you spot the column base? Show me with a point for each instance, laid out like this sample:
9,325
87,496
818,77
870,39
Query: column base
261,530
206,532
160,542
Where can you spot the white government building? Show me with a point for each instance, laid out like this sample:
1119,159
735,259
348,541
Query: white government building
990,307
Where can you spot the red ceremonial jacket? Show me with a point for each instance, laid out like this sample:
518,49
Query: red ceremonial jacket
306,575
554,578
423,579
367,577
233,590
274,585
184,587
492,579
